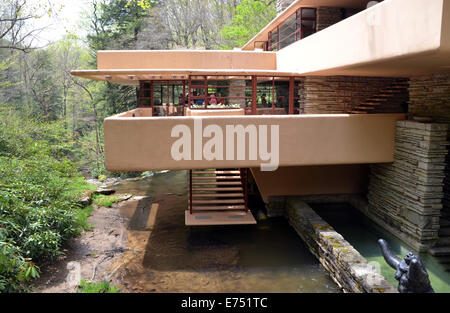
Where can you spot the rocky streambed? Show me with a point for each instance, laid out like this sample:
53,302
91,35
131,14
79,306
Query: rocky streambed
142,245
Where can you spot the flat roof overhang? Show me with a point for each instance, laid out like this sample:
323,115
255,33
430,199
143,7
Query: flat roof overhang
133,76
186,59
129,66
396,38
263,34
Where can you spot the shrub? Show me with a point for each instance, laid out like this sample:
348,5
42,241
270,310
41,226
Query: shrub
39,189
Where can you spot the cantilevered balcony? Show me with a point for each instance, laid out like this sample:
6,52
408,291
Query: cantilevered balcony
135,142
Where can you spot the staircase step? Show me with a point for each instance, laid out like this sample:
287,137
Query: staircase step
218,207
358,112
216,172
225,201
217,195
215,177
371,103
397,87
219,218
364,108
219,183
218,189
443,242
440,251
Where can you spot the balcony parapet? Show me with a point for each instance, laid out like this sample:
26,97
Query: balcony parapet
148,143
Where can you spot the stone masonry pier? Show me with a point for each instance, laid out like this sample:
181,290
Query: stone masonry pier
405,196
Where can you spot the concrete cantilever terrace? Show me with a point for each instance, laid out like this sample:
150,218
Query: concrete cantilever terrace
395,38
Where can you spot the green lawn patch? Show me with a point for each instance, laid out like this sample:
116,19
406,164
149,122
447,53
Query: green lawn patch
97,287
105,201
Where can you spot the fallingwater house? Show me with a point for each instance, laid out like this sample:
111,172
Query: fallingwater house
360,93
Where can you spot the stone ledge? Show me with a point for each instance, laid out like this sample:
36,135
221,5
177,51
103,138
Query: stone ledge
346,266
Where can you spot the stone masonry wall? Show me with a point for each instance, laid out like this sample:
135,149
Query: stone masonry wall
346,266
327,16
236,90
336,94
406,195
430,97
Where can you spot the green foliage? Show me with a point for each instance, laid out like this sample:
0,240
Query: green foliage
81,216
94,287
77,187
39,189
15,270
118,22
106,201
144,4
249,18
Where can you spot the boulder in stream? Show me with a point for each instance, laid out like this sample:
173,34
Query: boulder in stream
86,198
104,191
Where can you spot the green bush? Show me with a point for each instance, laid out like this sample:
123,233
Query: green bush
39,189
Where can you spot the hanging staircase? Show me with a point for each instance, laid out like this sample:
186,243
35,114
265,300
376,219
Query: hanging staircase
218,197
389,100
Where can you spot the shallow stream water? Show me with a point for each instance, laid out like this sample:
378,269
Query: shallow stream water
363,235
171,257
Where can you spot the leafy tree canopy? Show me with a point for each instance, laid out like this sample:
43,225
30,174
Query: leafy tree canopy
249,18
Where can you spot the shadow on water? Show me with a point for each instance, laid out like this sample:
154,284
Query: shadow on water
267,257
363,235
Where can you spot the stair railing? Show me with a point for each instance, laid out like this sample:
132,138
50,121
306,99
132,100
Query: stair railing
190,191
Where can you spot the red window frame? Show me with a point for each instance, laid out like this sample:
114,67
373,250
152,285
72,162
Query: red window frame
205,86
273,44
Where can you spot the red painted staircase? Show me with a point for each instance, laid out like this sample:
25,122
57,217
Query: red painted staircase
218,197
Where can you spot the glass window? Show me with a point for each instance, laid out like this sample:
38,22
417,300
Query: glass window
308,13
232,91
309,24
299,25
